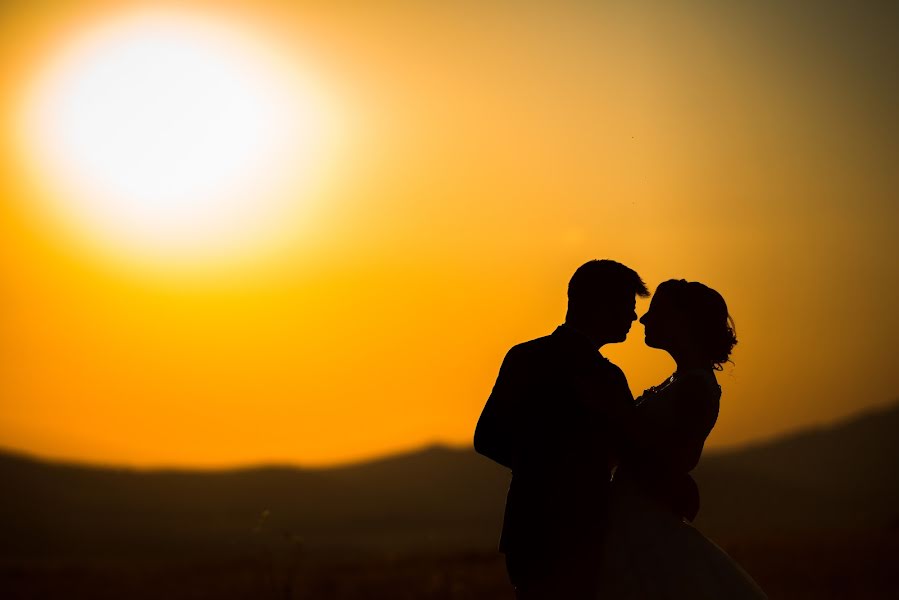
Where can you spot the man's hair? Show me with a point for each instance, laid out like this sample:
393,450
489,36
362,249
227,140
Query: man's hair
598,280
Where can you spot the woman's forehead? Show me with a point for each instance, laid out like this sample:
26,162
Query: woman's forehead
660,298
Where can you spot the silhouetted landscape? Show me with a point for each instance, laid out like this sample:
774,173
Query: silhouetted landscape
811,515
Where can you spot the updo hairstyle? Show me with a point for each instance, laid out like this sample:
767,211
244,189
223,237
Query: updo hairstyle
706,315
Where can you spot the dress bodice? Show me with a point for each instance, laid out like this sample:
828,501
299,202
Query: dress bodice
682,408
672,421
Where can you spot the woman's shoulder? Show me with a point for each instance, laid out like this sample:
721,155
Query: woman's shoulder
698,394
698,381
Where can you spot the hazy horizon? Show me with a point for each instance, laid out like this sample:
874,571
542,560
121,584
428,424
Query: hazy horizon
402,452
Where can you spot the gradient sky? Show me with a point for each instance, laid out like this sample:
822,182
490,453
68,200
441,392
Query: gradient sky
488,151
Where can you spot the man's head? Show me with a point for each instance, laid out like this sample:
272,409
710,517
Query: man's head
602,298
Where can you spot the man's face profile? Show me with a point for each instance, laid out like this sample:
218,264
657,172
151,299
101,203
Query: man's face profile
610,317
621,312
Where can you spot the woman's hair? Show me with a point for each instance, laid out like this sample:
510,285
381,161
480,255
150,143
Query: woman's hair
707,316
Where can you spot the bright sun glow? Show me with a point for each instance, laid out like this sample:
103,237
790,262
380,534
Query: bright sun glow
175,135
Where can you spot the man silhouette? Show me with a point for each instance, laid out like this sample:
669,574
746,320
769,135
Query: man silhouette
552,418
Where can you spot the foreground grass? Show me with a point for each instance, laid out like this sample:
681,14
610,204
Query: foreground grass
822,568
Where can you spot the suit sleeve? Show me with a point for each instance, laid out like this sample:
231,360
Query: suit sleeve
621,415
494,436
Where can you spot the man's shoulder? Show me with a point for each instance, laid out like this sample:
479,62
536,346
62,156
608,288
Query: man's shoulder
533,347
613,367
530,354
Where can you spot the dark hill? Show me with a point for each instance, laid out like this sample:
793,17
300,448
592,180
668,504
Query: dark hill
842,478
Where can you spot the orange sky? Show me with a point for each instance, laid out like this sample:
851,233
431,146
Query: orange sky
489,151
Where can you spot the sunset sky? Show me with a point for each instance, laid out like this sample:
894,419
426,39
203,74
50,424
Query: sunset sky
438,172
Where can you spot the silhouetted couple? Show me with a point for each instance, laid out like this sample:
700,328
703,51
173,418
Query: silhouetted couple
562,418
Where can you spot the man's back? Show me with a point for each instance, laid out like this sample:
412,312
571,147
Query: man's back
546,419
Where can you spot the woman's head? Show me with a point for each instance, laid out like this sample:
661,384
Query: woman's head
688,313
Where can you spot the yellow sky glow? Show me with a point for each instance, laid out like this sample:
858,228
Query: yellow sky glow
492,149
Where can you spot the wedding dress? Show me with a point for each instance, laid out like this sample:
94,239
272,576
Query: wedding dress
650,552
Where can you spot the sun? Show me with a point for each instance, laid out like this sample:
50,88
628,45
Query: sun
175,134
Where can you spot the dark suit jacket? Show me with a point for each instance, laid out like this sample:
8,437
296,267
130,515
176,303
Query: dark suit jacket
549,419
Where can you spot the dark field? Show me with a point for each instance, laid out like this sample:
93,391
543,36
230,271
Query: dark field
848,568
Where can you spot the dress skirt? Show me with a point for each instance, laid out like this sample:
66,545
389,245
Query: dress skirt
650,553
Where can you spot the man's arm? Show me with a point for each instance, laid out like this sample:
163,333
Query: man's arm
494,436
606,397
622,413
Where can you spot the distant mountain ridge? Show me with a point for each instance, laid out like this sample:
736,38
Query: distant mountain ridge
439,498
845,476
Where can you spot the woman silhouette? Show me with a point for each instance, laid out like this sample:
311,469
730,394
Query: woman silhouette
651,551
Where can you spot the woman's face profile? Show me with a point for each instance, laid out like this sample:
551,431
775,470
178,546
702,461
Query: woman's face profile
659,322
